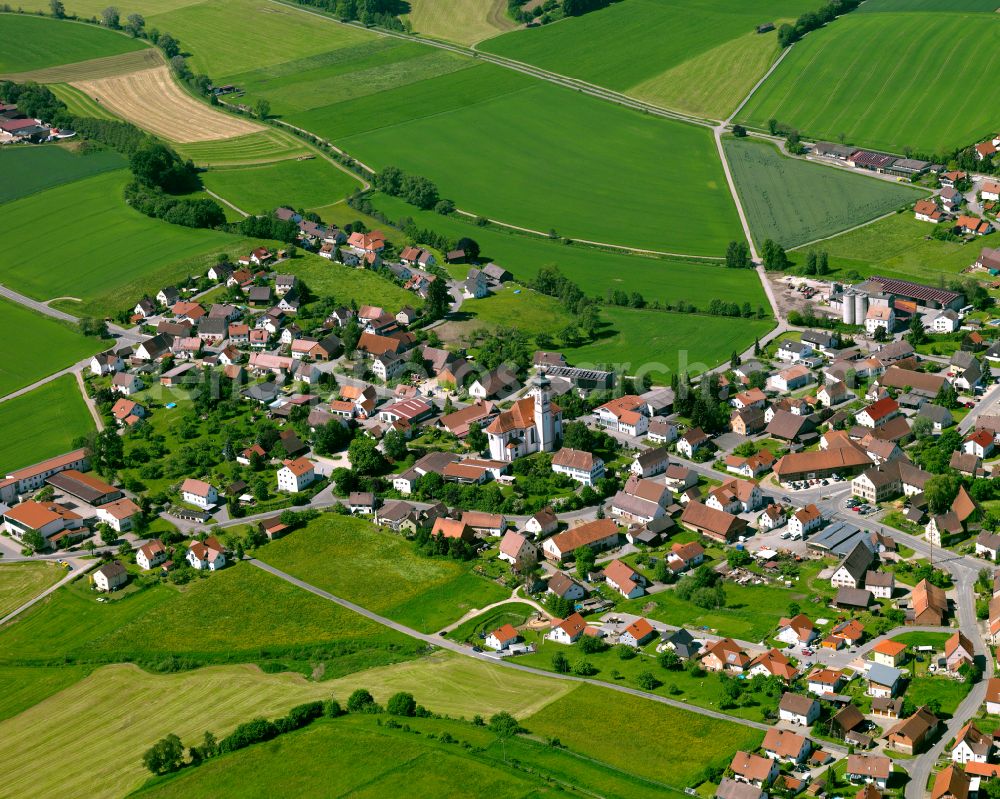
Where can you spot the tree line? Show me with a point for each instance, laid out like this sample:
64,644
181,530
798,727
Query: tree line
811,20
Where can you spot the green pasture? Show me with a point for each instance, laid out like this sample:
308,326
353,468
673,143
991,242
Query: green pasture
662,342
99,249
328,279
21,582
25,687
28,43
422,592
794,201
305,184
42,423
263,147
31,335
878,80
660,50
28,169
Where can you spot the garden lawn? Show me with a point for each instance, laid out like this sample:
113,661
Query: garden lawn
664,743
945,690
751,613
29,168
885,84
661,49
28,43
38,345
794,201
597,272
21,582
292,625
42,423
663,343
100,251
333,552
297,184
895,247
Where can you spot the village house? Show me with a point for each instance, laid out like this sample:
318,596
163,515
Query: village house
110,577
583,467
797,709
517,550
928,605
958,652
869,769
638,633
624,579
824,681
724,655
199,493
542,523
805,520
565,587
650,462
851,571
207,555
971,746
883,681
598,535
501,638
295,475
692,441
568,630
796,630
151,554
712,523
785,746
119,514
662,431
754,769
910,735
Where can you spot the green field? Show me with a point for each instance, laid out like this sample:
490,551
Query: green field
899,247
460,21
99,250
425,593
327,279
292,625
878,80
26,687
30,334
663,343
700,57
945,6
28,43
42,423
597,272
664,743
298,184
263,147
20,582
794,202
29,168
79,103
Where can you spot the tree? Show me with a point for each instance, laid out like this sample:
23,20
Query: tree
504,726
947,397
394,445
402,704
940,492
739,131
470,246
585,560
134,24
96,328
169,45
773,256
921,427
669,660
737,558
34,540
476,438
811,264
438,298
165,756
108,535
360,701
57,9
560,663
738,255
647,681
110,17
916,335
365,458
262,109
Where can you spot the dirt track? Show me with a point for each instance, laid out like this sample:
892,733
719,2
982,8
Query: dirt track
152,100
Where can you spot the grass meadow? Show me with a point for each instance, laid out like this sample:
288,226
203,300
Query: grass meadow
381,571
20,582
28,169
29,43
28,332
700,57
25,687
879,81
305,184
794,202
665,744
42,423
263,147
460,21
100,247
346,284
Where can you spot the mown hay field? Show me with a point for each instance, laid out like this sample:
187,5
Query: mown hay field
21,582
32,43
794,202
152,100
460,21
43,422
879,80
642,47
78,103
263,147
28,334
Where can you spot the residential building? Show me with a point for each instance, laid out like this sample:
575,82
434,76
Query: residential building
206,555
295,474
199,493
583,467
110,577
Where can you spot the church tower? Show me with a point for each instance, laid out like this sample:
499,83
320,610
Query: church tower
544,427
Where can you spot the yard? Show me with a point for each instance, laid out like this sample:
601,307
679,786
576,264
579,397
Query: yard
422,592
21,582
57,414
884,84
794,202
30,335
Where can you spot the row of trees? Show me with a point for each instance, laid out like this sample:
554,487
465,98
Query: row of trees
811,20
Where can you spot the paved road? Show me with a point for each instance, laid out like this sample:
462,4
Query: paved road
444,643
988,405
514,598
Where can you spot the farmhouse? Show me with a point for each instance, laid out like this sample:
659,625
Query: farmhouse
715,524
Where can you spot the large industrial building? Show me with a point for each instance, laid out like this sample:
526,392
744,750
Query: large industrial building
853,302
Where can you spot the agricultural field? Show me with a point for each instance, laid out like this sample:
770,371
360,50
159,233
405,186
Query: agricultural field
699,57
21,582
293,626
138,254
29,168
885,83
794,202
460,21
25,687
267,146
898,247
662,343
151,99
30,43
28,331
78,103
307,184
422,592
58,415
665,744
597,272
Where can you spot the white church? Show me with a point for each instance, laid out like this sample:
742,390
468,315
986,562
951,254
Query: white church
533,424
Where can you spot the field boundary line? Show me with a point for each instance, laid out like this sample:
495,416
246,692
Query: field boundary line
760,83
224,201
844,232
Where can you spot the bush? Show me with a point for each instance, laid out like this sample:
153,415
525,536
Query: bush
332,709
402,704
361,701
249,733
